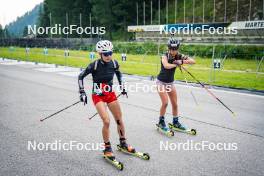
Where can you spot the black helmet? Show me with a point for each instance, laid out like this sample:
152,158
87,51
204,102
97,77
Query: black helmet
173,43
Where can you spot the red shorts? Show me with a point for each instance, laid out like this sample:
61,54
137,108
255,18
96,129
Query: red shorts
108,97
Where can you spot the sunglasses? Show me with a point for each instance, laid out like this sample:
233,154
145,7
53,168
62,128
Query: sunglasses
108,54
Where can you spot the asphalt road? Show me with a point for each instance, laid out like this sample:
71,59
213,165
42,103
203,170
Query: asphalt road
29,92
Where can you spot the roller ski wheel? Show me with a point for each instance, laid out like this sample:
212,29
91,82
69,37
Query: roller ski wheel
167,132
141,155
188,131
114,162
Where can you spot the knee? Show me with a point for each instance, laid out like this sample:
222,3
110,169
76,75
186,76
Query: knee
119,122
106,122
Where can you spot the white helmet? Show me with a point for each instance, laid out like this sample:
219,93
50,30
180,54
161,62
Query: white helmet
104,46
173,43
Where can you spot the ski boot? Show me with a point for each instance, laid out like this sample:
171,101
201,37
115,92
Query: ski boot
109,156
161,127
177,126
125,148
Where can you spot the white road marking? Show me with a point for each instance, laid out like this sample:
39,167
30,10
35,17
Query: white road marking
71,74
54,69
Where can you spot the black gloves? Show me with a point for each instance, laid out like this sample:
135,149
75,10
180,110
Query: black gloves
83,96
124,92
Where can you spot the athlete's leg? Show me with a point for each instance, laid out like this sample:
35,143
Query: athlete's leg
101,109
174,100
164,99
175,110
115,109
164,103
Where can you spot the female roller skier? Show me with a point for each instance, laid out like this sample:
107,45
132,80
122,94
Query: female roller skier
103,71
169,61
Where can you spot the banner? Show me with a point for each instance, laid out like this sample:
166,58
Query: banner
180,26
248,24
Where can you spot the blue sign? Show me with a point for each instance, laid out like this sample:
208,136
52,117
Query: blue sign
92,55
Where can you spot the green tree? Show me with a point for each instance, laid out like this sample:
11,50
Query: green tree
44,19
1,32
25,31
115,15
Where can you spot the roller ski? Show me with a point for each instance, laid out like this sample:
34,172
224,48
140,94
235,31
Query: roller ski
109,157
161,127
123,147
177,126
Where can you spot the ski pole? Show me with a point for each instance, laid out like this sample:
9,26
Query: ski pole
90,118
194,98
211,93
59,111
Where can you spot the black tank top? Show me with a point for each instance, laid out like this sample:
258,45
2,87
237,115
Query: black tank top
167,75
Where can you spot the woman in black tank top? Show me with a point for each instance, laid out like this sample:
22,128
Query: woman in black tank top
169,62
